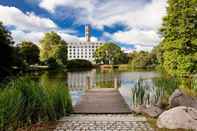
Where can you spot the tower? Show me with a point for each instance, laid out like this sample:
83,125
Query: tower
88,33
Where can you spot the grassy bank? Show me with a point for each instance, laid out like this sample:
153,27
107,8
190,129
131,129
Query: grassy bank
24,102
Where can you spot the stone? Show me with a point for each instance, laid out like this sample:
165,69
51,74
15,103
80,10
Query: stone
139,109
152,111
104,122
178,118
178,98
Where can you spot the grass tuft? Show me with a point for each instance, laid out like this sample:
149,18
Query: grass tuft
24,102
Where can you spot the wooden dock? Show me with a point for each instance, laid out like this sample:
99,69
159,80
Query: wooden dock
102,101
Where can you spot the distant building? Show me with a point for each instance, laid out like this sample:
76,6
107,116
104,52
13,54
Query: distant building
84,49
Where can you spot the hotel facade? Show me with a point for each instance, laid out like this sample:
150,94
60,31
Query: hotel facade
83,50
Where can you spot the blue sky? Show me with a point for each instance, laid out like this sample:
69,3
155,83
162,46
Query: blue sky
132,24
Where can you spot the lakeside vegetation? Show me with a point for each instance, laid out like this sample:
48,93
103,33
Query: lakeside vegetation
110,53
142,60
53,50
162,88
79,64
24,102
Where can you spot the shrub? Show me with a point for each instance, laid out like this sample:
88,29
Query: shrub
52,63
78,63
24,102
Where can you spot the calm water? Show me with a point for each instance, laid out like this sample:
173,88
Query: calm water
135,87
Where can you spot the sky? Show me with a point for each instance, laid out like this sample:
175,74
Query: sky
131,24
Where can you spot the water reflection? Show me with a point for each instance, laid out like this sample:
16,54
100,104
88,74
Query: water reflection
136,87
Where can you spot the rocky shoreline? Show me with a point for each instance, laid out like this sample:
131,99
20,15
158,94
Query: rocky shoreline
181,112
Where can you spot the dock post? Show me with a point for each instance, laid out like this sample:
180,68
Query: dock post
115,83
88,83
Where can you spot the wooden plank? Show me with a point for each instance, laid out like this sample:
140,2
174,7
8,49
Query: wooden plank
102,101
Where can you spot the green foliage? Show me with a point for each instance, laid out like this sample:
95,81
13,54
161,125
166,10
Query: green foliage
166,85
105,84
6,51
78,63
52,63
24,102
180,37
152,92
110,53
53,47
142,59
29,52
194,84
177,63
138,93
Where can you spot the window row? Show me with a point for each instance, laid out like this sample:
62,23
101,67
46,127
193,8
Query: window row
73,57
85,53
82,50
83,47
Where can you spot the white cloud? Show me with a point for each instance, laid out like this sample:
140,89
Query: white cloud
135,13
143,18
127,50
30,27
51,5
36,36
140,39
137,37
19,35
24,21
142,47
148,15
72,38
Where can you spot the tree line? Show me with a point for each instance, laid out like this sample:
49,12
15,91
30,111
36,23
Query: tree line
51,51
178,49
176,53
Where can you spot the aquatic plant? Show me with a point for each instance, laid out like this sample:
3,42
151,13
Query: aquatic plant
167,85
194,84
149,92
138,93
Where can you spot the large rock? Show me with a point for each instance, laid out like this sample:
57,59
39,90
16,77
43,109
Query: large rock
152,111
178,118
178,98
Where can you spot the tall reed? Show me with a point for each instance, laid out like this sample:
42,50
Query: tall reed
150,92
24,102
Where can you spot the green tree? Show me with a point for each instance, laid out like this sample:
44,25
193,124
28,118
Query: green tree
180,37
109,53
6,51
53,49
29,52
79,64
142,59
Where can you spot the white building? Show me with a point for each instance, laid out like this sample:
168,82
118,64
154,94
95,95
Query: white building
83,50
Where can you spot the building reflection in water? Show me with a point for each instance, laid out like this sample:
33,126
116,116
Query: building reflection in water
77,83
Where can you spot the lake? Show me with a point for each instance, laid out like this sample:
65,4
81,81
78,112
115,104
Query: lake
136,87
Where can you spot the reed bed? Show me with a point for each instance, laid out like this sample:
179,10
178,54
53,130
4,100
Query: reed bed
24,102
